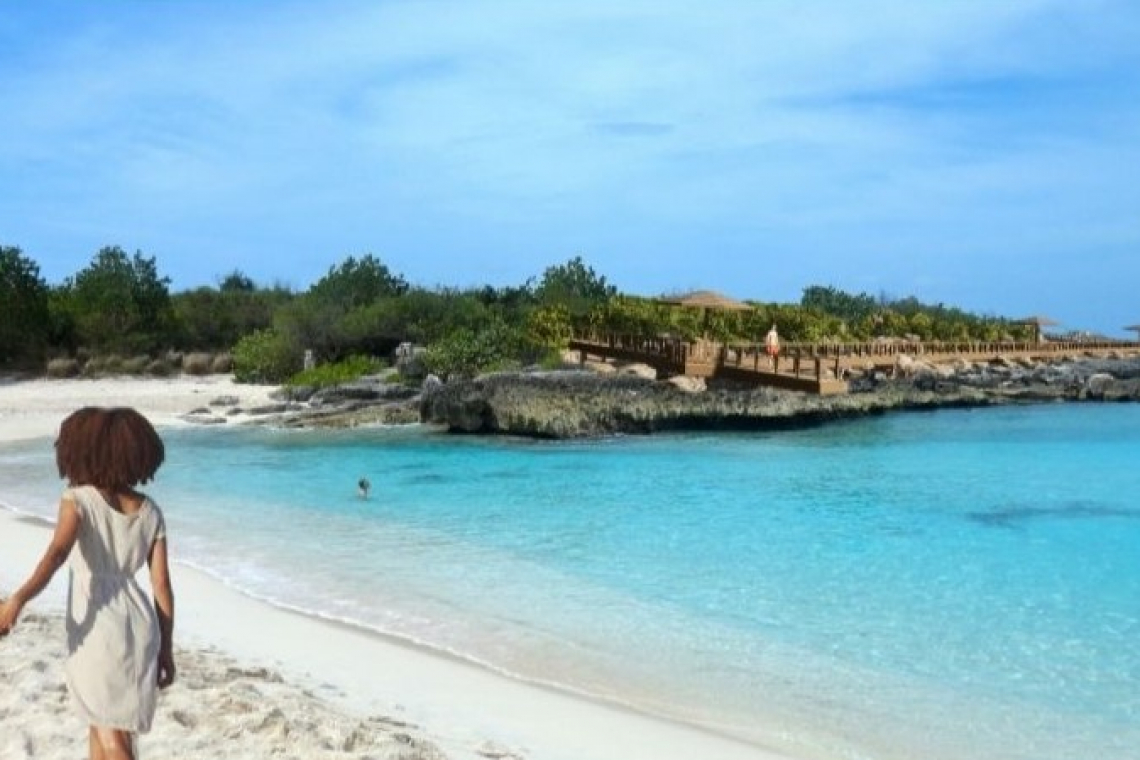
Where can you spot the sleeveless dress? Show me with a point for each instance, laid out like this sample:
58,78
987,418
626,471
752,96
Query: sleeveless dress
113,636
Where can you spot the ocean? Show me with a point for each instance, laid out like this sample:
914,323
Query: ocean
947,585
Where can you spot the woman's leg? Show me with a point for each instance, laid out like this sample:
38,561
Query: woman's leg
112,744
94,748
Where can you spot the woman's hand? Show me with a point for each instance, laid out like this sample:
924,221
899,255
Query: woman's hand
166,669
9,613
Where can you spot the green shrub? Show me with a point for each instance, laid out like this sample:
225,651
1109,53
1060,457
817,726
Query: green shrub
101,366
159,368
136,365
197,363
466,352
264,356
63,367
325,375
222,364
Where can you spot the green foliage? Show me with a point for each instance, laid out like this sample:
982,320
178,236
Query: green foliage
357,283
337,373
833,302
467,352
549,326
575,286
630,315
214,319
265,356
24,316
236,282
347,311
119,303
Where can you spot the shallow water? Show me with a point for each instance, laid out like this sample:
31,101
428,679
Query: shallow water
945,585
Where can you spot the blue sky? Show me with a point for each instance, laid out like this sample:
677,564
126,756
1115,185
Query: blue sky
978,154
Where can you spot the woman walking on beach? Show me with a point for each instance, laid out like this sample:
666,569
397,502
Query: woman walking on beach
120,648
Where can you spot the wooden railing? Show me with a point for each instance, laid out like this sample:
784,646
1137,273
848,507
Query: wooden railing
819,367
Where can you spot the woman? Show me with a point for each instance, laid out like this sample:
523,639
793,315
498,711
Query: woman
120,644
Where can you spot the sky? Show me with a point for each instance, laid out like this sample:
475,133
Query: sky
974,153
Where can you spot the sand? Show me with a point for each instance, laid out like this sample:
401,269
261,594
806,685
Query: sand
257,681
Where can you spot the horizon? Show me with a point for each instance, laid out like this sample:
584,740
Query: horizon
965,154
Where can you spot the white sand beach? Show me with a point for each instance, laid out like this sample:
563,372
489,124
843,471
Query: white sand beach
258,681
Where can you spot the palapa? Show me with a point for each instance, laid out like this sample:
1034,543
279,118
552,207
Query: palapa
1038,321
706,299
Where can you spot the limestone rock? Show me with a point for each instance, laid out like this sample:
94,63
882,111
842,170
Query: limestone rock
687,384
643,371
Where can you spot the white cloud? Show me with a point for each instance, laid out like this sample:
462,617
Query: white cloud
521,133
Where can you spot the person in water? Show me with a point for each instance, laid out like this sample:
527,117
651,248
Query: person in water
363,487
119,642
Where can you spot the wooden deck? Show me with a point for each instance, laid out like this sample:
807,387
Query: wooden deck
817,367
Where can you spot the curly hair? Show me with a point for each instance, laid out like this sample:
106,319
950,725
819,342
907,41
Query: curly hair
108,447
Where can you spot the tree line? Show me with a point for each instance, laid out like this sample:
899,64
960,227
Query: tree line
121,304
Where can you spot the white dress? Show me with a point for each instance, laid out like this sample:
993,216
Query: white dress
113,636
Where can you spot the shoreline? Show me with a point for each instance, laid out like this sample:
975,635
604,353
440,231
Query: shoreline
465,710
408,702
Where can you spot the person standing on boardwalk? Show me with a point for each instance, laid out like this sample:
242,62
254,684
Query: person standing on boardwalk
772,346
120,643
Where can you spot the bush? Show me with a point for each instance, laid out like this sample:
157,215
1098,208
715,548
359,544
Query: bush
196,364
99,366
222,364
136,365
264,356
325,375
63,367
160,368
466,353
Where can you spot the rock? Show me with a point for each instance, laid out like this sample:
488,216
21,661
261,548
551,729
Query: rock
225,401
409,360
600,368
65,367
269,409
203,416
577,405
638,370
687,384
1098,383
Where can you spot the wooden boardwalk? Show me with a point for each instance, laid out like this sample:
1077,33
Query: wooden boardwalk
818,367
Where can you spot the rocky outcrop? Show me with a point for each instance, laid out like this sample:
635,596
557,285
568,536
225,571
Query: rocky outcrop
580,404
583,403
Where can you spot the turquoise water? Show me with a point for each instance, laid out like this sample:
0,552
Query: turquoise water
955,585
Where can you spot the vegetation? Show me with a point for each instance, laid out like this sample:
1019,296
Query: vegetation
25,327
337,373
120,305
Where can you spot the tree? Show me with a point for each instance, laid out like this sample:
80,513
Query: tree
216,318
24,318
236,282
264,356
120,303
358,283
575,286
836,303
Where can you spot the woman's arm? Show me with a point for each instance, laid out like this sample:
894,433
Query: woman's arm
66,531
163,605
